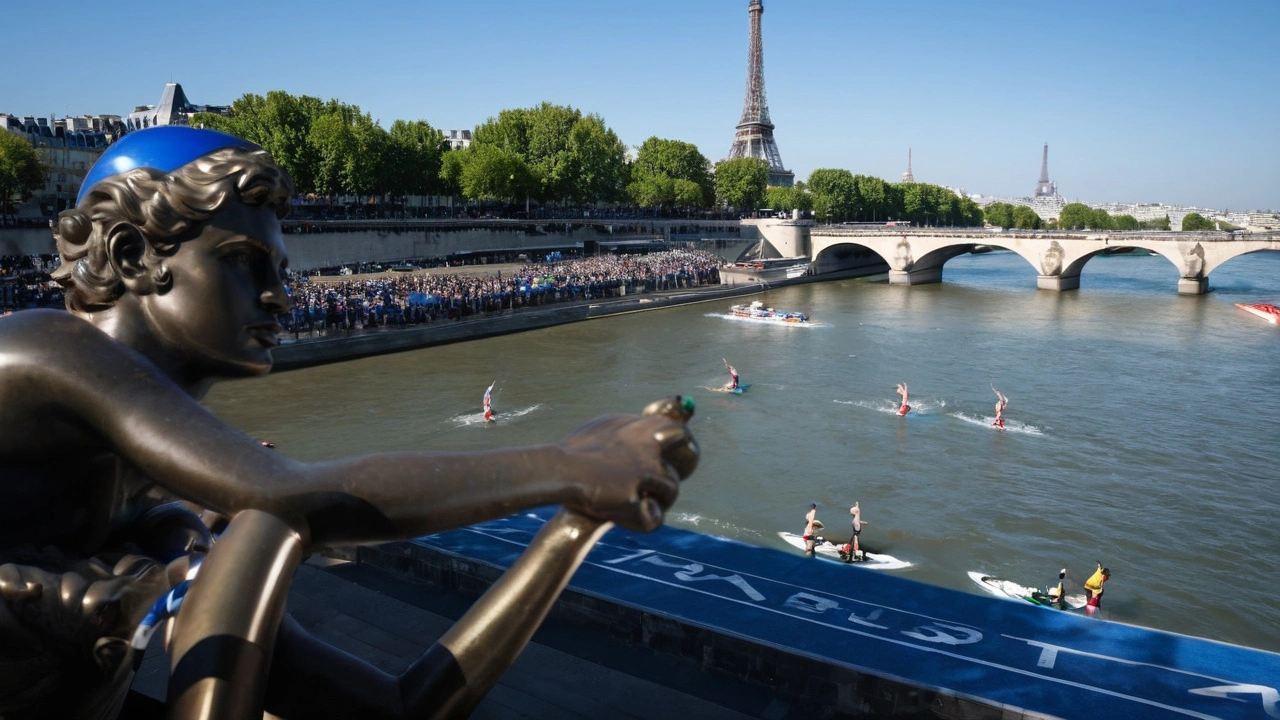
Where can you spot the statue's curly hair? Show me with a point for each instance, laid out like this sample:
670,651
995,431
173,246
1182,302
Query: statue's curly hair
165,208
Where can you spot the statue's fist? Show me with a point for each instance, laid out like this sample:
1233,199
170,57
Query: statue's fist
630,466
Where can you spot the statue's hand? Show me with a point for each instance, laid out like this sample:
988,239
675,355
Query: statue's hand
628,467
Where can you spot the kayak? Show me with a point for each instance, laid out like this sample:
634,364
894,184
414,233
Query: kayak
1009,590
1267,312
825,548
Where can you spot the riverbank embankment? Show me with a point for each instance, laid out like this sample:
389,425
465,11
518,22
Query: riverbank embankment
363,343
307,352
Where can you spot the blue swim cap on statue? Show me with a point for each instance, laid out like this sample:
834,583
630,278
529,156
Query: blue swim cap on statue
165,148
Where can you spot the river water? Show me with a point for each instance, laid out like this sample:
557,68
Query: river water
1141,428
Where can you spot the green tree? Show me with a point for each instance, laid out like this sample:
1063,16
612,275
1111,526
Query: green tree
877,199
929,204
452,165
1075,216
677,160
1024,218
915,202
1102,220
569,156
416,156
1125,222
334,139
971,213
741,182
688,193
789,198
1195,221
492,173
597,163
999,214
281,124
835,194
653,191
21,172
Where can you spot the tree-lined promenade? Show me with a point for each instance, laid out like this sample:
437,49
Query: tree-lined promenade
551,155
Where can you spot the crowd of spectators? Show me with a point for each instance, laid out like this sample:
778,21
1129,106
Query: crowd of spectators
25,283
323,307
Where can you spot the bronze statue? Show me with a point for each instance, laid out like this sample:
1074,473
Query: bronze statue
172,263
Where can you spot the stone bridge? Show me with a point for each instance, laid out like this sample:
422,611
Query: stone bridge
916,256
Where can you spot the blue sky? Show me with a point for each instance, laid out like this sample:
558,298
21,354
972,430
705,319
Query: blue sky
1175,102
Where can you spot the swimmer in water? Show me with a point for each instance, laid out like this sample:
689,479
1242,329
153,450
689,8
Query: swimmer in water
488,404
733,383
904,408
1001,403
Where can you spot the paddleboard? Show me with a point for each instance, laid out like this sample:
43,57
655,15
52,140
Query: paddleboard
1009,590
828,549
742,387
1267,312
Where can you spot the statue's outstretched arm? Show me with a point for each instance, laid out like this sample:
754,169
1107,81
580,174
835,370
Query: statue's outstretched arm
452,677
622,468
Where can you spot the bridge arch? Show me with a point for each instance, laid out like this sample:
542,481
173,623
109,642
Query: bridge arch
917,256
846,256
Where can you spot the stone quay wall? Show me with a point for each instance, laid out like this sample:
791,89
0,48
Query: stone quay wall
334,243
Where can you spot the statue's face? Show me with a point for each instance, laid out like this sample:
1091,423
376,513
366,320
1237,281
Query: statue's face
219,316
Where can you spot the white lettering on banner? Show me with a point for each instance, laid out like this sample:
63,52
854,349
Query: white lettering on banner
506,530
691,572
800,603
805,602
937,633
1268,695
625,558
867,621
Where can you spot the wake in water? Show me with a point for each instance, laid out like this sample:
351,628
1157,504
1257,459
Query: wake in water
498,418
749,321
918,407
989,422
717,528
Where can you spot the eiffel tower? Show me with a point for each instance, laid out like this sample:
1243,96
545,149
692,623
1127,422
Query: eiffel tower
1045,188
755,131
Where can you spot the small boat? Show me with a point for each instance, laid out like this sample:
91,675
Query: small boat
1270,313
757,311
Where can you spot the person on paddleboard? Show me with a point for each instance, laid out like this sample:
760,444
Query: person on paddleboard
856,512
1057,594
488,402
904,408
810,532
733,374
1093,588
1001,403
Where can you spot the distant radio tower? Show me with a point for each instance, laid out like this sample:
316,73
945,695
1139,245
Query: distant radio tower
907,177
755,132
1044,188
